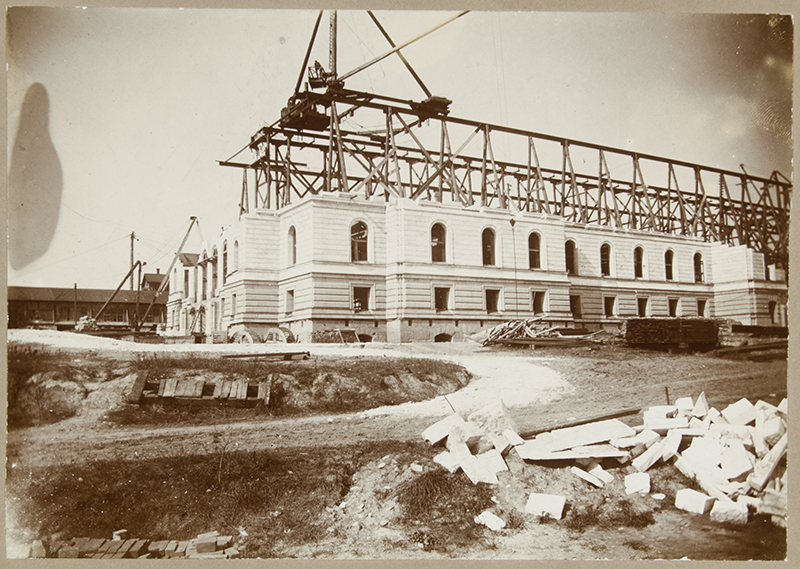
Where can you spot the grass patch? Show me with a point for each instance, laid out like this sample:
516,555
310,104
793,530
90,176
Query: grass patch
280,497
611,516
443,507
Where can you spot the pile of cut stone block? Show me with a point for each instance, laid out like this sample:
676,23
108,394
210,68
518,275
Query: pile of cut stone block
734,455
205,546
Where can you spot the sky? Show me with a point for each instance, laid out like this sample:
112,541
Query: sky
139,104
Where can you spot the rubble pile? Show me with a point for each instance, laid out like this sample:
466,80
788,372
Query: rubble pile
209,545
734,456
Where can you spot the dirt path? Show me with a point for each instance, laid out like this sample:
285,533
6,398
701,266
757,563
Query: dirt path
518,382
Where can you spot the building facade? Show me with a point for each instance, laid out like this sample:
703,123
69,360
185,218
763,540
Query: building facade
402,270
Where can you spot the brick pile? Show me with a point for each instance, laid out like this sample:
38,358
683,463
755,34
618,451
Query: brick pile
734,456
205,546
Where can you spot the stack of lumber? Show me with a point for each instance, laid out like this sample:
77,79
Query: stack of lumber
241,392
671,331
209,545
529,332
736,456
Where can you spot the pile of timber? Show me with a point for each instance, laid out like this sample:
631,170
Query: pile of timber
532,332
700,333
209,545
736,456
197,391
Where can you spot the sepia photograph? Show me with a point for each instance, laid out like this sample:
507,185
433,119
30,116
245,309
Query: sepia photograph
395,284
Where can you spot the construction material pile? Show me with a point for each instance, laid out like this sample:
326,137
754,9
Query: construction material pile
209,545
734,456
528,332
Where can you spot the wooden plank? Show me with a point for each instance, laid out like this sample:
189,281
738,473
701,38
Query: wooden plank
161,385
217,389
241,393
537,450
225,392
198,388
590,433
171,385
180,388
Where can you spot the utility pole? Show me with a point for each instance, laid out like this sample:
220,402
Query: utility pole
132,238
75,305
332,45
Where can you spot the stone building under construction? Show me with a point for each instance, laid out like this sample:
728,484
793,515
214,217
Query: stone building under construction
421,231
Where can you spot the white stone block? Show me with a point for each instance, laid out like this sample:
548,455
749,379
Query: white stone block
493,418
447,460
459,450
465,432
648,437
783,407
748,501
649,457
693,501
715,416
638,482
740,413
774,428
602,474
499,442
672,443
476,471
512,437
590,478
700,409
695,423
665,425
736,460
546,505
767,408
663,411
684,404
492,461
591,433
490,520
439,430
627,442
729,512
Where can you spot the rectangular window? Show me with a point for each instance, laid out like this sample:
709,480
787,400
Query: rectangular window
289,301
537,298
772,307
701,307
441,298
186,283
641,306
609,304
361,296
575,306
233,305
673,307
221,310
492,299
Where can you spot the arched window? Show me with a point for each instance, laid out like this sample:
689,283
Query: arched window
699,275
534,257
638,263
358,241
235,255
605,260
488,247
668,259
292,245
438,243
569,251
224,262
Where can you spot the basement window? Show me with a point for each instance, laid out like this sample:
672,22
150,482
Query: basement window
673,307
773,314
701,307
609,305
641,307
537,299
441,298
289,301
361,296
575,305
492,299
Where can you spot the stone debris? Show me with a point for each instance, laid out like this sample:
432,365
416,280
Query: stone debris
209,545
735,456
490,520
546,505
